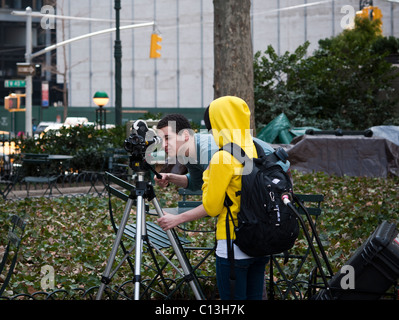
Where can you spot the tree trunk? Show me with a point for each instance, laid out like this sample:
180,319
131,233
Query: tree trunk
233,53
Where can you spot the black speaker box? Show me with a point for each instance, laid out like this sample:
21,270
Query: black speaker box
375,268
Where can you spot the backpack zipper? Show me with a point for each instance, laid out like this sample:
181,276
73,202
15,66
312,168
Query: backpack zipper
275,206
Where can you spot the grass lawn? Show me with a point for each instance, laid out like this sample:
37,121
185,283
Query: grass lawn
73,235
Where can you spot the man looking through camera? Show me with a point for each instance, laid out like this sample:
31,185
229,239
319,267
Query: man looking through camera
193,150
181,143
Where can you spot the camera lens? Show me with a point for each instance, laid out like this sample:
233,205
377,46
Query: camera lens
134,143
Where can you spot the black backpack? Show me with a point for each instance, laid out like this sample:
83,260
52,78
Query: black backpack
266,225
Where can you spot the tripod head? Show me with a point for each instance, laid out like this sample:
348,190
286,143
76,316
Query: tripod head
136,144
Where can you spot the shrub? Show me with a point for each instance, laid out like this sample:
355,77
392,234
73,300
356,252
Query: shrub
346,83
85,143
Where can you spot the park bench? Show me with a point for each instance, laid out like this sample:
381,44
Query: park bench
9,259
285,282
38,169
114,161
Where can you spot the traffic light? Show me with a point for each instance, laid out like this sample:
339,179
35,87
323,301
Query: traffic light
364,13
376,13
155,46
12,103
38,70
372,13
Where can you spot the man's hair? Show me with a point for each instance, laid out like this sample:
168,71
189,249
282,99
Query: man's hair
181,122
207,120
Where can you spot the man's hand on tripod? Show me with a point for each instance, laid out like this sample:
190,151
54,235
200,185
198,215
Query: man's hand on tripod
177,179
169,221
164,182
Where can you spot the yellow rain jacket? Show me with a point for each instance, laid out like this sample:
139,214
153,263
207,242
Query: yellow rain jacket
230,121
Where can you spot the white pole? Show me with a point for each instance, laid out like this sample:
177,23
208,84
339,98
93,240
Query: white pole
88,35
57,16
28,79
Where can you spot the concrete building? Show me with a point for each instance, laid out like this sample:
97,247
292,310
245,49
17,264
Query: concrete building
12,46
183,76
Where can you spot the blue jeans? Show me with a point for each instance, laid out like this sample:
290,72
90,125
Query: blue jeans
249,281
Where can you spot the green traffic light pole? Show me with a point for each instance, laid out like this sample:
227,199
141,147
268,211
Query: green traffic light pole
118,66
28,79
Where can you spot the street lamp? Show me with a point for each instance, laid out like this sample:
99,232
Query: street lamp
101,99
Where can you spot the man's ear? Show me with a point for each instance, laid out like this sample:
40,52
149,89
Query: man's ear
186,135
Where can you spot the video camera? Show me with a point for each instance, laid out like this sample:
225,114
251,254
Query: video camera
136,144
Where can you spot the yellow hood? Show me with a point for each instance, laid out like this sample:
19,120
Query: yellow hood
230,121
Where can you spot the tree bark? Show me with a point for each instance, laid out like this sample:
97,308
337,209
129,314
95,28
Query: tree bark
233,53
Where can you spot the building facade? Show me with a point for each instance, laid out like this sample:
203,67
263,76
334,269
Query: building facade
183,76
13,48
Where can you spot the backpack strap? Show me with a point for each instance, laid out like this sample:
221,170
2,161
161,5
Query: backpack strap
230,248
240,155
259,150
236,151
279,154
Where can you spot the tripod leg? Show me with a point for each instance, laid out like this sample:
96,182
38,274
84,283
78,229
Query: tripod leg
140,221
180,255
105,277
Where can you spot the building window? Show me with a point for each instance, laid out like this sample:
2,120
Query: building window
21,4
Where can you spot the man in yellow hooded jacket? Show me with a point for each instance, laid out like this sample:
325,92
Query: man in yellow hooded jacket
229,119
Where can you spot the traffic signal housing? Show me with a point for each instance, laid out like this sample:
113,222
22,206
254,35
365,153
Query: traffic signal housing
12,103
364,13
376,13
155,46
372,13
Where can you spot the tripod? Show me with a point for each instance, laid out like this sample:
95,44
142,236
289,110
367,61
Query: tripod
145,190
